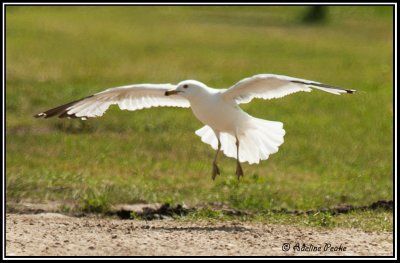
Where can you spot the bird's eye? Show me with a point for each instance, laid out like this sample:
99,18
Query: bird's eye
185,86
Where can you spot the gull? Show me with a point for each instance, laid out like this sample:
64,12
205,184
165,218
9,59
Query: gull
227,127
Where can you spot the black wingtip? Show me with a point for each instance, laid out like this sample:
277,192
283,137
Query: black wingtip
349,91
60,111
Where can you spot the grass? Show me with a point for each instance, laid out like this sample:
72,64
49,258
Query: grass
338,149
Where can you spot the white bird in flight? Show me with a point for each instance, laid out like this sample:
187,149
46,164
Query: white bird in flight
227,126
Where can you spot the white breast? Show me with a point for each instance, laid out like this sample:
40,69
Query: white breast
213,111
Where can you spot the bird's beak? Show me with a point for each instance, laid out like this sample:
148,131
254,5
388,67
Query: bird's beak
171,92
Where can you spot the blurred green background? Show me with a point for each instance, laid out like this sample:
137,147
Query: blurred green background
338,149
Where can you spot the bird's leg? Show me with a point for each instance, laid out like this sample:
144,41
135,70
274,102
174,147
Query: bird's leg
215,170
239,170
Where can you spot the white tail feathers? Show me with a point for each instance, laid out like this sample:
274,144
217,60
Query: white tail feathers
258,140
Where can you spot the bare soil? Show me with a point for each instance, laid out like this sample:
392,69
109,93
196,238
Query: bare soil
53,234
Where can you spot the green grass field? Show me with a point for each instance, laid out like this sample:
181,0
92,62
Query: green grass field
338,149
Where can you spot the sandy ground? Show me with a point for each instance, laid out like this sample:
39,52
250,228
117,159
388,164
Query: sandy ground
51,234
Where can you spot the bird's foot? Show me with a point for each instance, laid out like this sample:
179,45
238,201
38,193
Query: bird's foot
215,171
239,170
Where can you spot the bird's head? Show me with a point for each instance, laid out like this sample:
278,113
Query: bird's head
188,89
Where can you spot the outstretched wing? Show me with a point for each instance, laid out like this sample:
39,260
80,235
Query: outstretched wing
269,86
131,97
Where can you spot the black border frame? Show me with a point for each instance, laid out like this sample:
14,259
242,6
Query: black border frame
393,4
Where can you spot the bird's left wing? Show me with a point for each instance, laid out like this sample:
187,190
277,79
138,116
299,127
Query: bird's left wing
270,86
131,97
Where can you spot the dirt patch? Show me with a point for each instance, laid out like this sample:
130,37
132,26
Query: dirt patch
52,234
151,212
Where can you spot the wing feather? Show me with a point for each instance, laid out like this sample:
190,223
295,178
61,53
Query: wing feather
131,97
270,86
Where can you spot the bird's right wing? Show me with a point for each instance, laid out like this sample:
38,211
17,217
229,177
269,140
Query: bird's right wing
270,86
131,97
